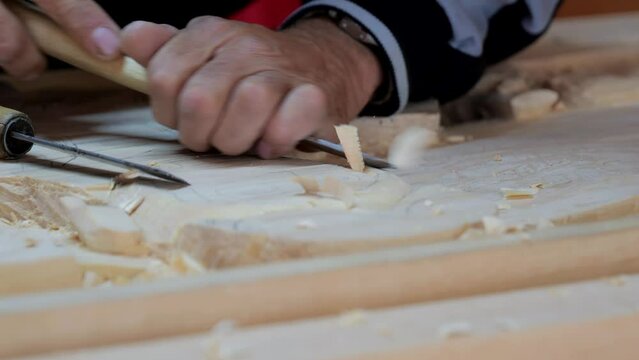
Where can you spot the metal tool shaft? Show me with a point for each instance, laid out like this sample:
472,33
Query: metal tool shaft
337,150
73,150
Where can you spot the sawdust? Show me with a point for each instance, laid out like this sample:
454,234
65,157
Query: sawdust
30,202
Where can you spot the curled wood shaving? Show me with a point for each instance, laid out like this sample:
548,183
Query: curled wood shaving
407,148
349,139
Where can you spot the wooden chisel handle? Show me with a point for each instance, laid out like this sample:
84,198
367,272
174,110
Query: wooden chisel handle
53,41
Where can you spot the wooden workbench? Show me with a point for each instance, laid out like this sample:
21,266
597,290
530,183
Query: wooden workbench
272,253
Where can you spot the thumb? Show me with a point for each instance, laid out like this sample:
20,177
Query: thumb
87,23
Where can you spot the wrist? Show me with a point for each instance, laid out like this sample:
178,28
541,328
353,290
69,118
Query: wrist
359,63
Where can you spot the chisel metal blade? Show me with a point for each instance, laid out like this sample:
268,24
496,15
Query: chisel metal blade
73,150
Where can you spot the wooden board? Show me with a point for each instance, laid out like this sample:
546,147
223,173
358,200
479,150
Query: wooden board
244,212
295,290
361,332
586,162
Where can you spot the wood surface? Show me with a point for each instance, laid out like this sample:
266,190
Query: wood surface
244,211
283,292
363,333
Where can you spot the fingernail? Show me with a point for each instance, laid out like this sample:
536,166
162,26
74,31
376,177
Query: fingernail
107,41
264,150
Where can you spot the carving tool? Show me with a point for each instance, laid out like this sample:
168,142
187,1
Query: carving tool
17,136
125,71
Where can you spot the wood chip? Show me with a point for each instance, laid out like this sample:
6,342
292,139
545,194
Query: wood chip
455,139
493,225
131,206
104,228
126,178
534,104
310,185
519,194
349,139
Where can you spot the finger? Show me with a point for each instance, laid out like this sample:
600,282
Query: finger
19,55
302,114
87,23
141,39
201,103
252,103
177,61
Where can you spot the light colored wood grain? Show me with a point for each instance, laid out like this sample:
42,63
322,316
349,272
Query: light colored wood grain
363,332
605,339
281,292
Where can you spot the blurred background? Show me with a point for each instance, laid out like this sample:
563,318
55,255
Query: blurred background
590,7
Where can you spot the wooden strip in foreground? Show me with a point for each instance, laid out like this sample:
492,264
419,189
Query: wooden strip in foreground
616,338
69,320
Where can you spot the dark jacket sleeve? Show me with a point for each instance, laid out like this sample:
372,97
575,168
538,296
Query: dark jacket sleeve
440,48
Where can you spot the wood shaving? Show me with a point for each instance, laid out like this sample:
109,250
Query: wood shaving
407,148
377,133
126,178
349,139
534,104
134,204
498,157
309,184
100,187
519,194
537,186
456,139
494,226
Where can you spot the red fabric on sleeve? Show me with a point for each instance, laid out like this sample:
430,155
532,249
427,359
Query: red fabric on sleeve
269,13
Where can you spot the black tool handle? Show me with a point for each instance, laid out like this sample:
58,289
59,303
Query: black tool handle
10,121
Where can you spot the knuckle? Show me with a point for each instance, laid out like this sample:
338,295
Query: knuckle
210,23
162,81
194,102
280,136
255,91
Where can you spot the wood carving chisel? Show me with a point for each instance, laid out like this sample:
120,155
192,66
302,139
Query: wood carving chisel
125,71
17,136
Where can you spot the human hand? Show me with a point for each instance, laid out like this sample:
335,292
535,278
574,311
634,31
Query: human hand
235,86
83,20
